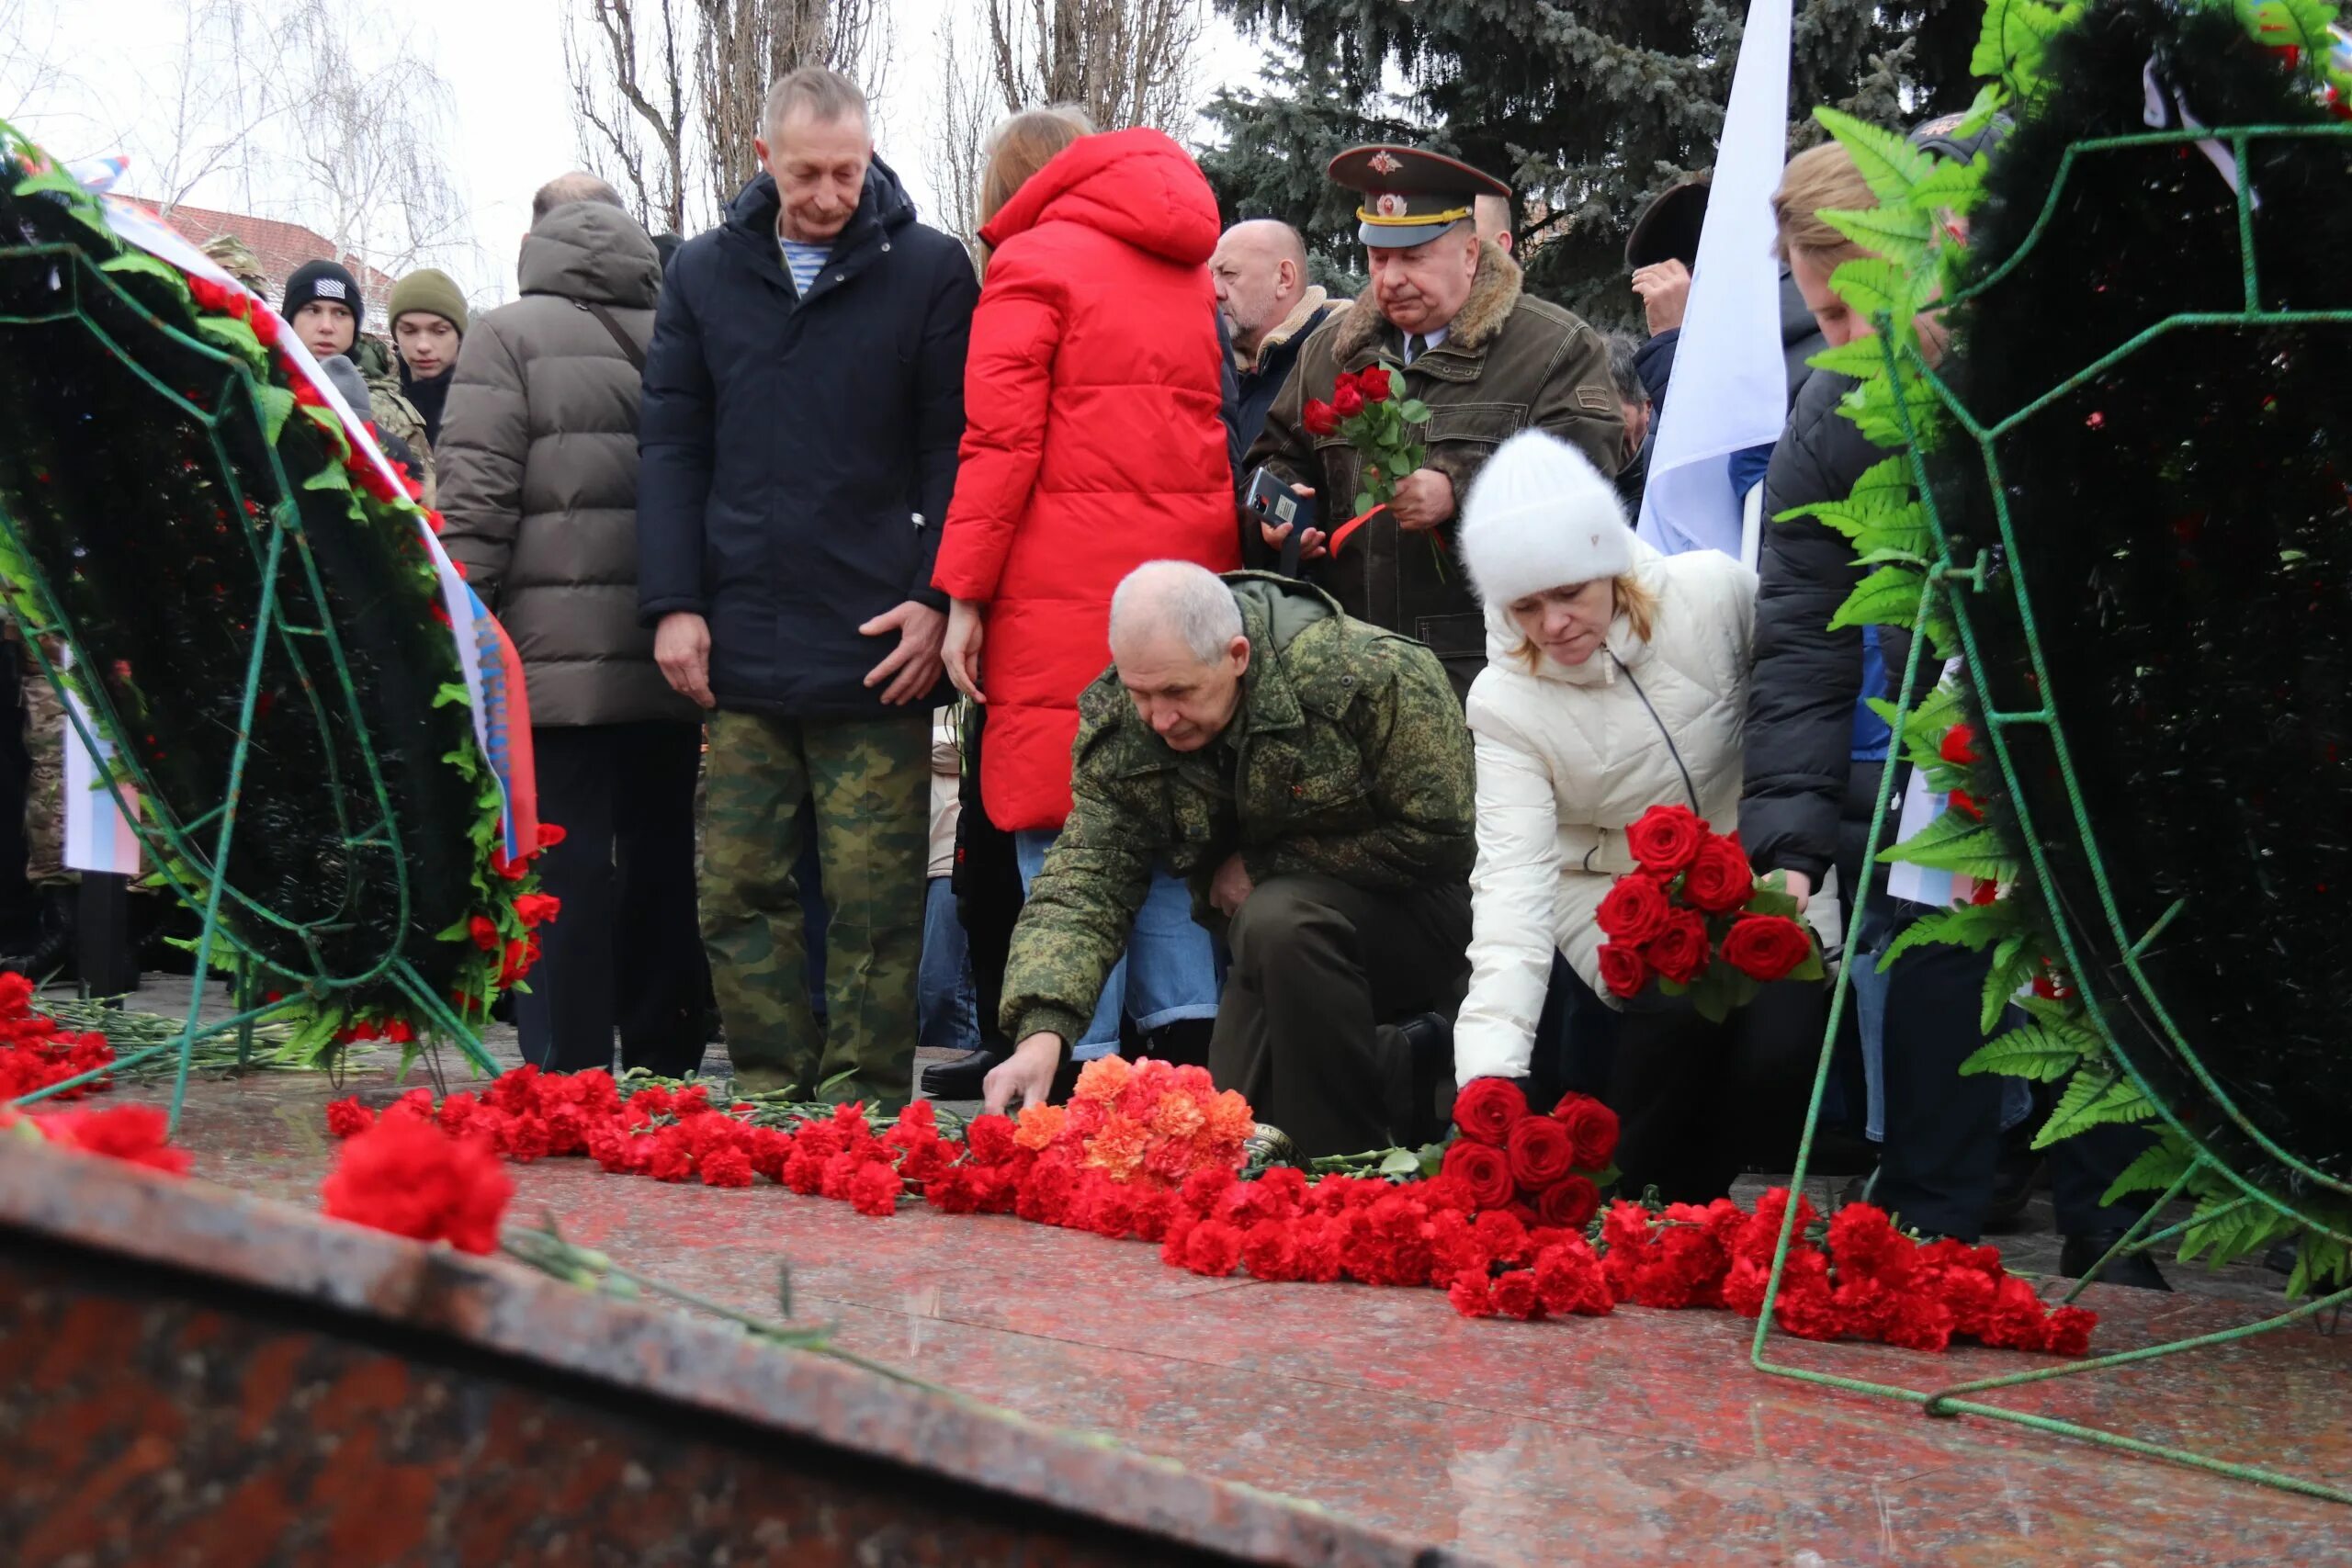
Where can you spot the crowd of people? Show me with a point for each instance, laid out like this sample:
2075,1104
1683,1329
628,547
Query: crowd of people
906,665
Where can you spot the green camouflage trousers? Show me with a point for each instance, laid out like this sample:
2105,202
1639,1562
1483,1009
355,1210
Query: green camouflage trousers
869,780
45,785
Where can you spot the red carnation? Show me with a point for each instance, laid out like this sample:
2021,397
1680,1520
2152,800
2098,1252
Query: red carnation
1374,383
1347,402
1569,1203
1471,1295
1592,1130
1515,1296
1767,947
1484,1169
1487,1109
538,909
1541,1153
1623,969
1960,745
404,1175
1664,838
1720,879
1679,952
1633,911
484,932
135,1134
1320,418
348,1117
874,1190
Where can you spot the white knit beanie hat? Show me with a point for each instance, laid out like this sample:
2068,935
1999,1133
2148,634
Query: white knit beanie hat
1539,515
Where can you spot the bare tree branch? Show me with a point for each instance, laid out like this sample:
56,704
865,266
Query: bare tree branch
960,117
629,82
743,47
1124,61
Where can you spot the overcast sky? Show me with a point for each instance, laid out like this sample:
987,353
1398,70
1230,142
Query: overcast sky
503,62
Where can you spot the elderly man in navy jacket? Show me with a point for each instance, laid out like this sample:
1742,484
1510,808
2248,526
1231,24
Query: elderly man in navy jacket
803,401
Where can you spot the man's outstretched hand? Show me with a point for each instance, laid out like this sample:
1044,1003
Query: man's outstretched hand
1026,1076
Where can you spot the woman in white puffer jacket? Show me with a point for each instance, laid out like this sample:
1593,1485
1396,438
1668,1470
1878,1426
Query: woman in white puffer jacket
1616,681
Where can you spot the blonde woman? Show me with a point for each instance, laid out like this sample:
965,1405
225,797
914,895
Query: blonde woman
1616,680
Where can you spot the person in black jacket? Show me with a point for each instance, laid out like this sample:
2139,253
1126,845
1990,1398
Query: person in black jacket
1269,310
803,404
1814,755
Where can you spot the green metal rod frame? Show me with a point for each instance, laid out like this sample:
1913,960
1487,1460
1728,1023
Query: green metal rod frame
1899,358
196,872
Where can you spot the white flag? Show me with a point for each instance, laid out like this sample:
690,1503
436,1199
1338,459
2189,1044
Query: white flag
1730,388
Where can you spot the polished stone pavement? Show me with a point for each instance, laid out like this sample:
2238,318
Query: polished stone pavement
1645,1437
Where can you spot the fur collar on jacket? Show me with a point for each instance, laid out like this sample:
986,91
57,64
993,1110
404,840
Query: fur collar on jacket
1494,290
1314,300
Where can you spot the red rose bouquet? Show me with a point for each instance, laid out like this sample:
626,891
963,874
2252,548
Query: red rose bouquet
1378,424
1547,1170
1697,921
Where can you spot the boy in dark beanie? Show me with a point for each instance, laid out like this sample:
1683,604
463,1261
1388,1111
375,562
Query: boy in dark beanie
326,310
428,323
324,304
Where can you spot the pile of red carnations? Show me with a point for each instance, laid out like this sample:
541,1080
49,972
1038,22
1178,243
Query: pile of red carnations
35,1053
1860,1279
1504,1229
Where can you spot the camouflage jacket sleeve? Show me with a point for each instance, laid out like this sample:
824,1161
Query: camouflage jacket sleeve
1075,924
1423,783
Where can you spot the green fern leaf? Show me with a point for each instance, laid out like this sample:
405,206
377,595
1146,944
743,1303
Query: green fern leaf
2158,1168
2081,1094
1889,162
1887,597
1863,358
1972,926
2096,1098
1886,486
1953,841
2016,34
1898,233
2015,963
1874,288
1955,187
2029,1051
273,403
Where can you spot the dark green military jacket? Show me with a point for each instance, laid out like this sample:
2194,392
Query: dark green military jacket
1347,758
1509,362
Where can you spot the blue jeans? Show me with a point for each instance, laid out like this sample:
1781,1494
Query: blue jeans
1169,972
946,1002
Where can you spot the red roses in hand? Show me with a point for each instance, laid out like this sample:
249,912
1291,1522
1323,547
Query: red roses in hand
1767,947
1694,901
1666,839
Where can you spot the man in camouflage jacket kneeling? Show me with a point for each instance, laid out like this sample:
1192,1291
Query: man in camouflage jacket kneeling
1311,775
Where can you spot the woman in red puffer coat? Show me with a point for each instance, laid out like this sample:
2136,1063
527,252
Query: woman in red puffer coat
1093,442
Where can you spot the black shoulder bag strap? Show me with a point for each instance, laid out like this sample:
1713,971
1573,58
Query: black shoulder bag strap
628,344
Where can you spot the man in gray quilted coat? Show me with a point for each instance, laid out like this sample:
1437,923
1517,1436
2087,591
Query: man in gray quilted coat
538,463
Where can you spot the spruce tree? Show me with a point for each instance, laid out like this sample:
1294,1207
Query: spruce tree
1588,107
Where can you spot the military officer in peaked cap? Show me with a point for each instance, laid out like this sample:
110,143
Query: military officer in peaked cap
1446,307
